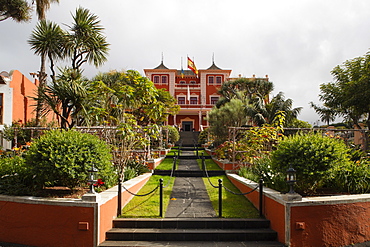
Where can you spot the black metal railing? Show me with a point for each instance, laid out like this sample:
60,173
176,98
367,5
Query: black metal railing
221,186
160,187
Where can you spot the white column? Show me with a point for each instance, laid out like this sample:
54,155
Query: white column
200,119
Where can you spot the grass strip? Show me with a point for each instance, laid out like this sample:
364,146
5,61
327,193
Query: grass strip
233,206
173,152
148,206
167,164
211,165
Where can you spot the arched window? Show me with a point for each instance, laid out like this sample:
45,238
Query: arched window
156,79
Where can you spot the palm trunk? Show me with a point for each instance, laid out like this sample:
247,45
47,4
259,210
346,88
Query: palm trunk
41,87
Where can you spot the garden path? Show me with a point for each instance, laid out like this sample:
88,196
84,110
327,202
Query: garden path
189,197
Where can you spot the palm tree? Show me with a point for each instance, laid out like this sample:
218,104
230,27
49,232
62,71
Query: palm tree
86,42
18,10
48,40
279,104
326,114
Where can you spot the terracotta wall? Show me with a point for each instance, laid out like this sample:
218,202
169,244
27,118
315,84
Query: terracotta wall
62,222
23,89
46,225
23,105
330,225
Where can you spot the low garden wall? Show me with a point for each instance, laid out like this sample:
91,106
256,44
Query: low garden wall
153,163
62,222
227,165
313,221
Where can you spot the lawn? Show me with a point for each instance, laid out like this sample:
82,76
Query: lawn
167,164
173,152
210,164
148,206
233,206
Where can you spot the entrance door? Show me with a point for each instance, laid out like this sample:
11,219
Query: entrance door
187,125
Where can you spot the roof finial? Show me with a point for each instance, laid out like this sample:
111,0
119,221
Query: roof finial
213,58
162,58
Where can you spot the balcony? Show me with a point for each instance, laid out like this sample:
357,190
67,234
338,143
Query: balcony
195,106
186,86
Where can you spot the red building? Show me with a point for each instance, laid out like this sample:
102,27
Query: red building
196,94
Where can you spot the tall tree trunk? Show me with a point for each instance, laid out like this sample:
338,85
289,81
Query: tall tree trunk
41,88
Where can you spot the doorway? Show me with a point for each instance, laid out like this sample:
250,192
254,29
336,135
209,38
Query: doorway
187,125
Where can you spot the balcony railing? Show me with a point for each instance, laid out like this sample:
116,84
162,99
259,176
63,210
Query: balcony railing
187,106
185,86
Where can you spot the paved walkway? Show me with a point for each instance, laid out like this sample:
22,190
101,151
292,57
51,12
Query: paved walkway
189,197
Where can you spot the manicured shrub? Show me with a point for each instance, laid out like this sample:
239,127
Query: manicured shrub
313,156
63,158
203,136
173,134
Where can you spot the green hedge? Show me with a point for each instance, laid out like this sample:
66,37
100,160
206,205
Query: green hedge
63,158
313,156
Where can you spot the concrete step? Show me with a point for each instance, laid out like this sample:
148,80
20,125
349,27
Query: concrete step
191,244
185,223
172,234
189,230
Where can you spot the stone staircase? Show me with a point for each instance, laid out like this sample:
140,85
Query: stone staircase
125,231
184,231
187,138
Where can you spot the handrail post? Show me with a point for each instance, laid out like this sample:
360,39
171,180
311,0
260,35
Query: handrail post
161,197
174,163
220,198
261,197
203,163
119,198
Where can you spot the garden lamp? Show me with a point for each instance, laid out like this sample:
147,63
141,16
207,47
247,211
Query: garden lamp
92,171
291,178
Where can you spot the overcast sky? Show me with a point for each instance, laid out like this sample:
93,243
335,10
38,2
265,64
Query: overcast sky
295,42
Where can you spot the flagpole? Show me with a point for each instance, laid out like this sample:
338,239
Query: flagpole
188,94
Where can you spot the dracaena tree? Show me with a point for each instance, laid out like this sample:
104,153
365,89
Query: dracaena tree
48,40
17,10
86,41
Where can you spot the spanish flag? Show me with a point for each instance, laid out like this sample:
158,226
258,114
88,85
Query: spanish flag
191,65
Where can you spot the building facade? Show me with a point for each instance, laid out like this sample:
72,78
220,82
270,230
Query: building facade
16,98
196,94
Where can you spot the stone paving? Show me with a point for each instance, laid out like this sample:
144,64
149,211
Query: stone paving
189,197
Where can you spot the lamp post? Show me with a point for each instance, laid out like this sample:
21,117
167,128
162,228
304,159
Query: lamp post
92,171
291,179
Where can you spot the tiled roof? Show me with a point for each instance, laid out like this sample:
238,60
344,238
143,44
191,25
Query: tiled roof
161,66
213,67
